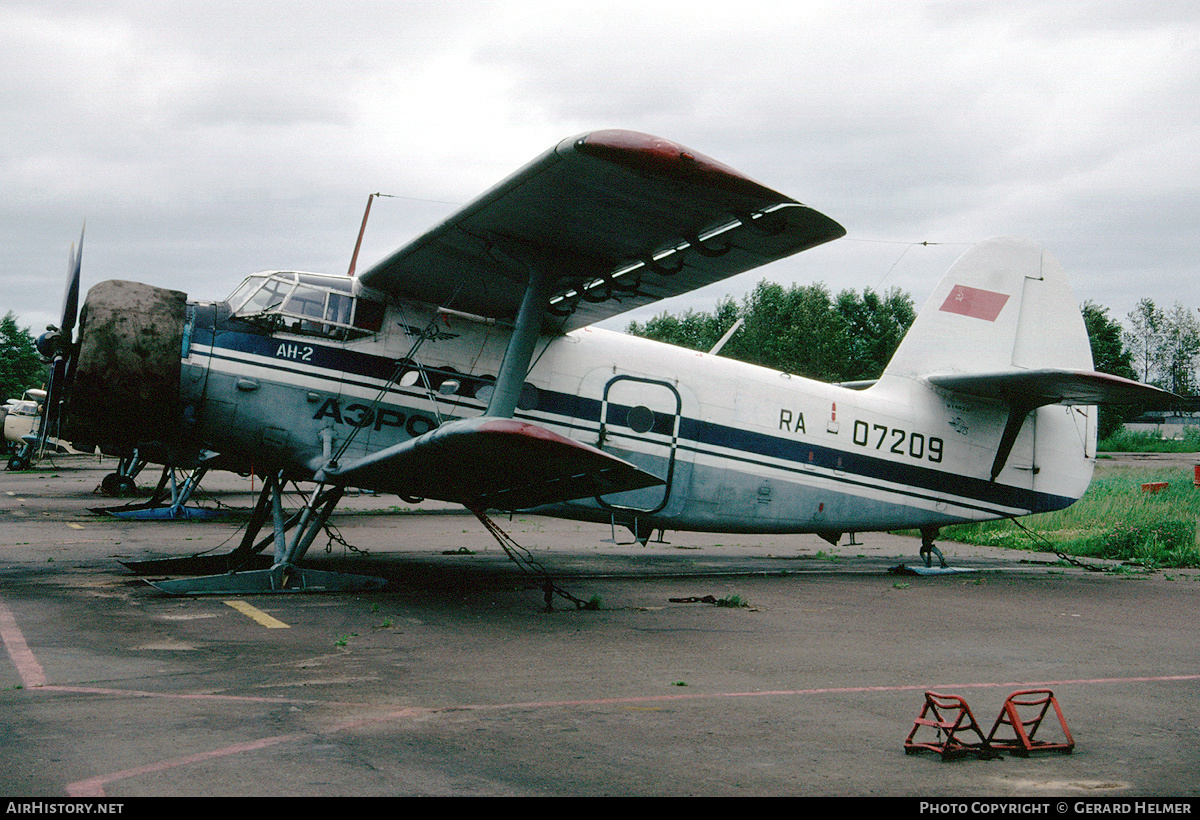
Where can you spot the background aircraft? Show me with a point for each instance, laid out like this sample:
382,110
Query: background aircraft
466,367
21,420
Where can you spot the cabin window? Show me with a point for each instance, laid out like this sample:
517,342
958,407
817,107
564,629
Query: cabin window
268,297
243,292
339,308
640,419
305,300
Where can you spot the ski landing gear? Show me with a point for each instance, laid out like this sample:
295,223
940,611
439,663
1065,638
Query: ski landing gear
285,574
168,502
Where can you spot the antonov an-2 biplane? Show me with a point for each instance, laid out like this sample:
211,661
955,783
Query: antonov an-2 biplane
467,367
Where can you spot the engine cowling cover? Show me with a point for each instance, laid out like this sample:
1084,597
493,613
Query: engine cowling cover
125,387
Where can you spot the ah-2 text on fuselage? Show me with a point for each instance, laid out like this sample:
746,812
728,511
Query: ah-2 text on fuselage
467,367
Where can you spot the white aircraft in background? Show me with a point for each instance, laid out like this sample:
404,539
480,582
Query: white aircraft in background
21,417
466,367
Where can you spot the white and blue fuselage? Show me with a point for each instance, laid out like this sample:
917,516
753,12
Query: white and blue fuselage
740,448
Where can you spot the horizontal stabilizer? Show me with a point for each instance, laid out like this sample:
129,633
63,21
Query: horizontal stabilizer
1036,388
492,463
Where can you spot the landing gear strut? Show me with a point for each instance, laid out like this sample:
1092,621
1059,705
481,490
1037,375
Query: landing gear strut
23,457
167,502
928,549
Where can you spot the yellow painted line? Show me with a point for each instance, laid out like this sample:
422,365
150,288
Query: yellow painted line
75,526
256,614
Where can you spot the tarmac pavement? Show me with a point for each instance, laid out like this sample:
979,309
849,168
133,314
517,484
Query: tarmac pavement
453,680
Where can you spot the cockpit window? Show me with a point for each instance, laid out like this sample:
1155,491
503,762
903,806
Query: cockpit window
268,297
308,303
244,290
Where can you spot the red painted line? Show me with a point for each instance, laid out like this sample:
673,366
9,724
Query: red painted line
410,711
94,787
841,690
142,693
28,668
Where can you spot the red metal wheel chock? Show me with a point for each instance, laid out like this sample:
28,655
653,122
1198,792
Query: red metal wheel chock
948,716
1023,742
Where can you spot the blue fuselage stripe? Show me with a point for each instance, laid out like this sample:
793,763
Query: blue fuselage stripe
575,412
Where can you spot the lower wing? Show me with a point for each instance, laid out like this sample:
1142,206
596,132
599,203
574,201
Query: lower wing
492,463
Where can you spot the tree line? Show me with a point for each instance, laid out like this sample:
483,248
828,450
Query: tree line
802,329
20,364
1164,346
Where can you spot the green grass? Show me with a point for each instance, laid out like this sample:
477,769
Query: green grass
1124,441
733,601
1114,519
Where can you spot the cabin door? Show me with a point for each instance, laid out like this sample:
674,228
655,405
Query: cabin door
639,421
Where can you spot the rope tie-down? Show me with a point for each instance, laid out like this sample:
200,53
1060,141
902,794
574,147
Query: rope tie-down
527,563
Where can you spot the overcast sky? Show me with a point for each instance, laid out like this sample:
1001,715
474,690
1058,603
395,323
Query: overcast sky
203,141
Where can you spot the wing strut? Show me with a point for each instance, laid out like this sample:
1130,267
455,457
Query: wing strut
519,354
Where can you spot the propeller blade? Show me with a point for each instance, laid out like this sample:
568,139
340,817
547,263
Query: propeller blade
64,350
71,300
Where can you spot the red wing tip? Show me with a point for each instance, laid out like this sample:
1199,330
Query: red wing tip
650,154
521,428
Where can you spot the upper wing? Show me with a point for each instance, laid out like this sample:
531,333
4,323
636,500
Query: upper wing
620,219
488,462
1036,388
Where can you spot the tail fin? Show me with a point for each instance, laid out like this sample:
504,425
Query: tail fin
1004,327
1004,304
